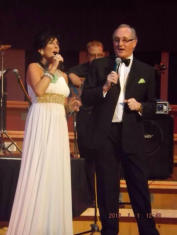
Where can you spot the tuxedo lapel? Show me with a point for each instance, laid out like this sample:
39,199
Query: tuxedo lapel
111,65
131,78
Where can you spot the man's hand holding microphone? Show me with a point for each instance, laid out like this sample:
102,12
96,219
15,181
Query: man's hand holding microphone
111,80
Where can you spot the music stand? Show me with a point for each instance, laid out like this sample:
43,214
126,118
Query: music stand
3,133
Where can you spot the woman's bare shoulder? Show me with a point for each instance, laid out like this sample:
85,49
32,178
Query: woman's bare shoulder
65,76
34,72
34,66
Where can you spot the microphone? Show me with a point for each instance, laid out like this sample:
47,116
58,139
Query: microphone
117,64
116,67
16,71
61,64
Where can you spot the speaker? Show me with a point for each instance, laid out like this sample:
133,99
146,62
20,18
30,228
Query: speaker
158,135
9,171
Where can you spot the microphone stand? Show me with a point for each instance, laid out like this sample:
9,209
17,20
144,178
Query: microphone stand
76,149
20,82
3,133
94,226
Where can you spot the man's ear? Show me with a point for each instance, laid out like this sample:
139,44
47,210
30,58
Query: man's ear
135,43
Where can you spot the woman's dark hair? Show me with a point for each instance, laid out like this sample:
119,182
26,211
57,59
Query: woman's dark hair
42,38
40,41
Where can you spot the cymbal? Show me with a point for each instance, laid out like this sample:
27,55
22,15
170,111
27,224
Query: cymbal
4,47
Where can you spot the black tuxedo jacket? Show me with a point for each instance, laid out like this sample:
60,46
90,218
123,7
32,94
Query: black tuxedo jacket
140,85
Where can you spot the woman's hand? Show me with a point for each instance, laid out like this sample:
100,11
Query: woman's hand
74,104
56,59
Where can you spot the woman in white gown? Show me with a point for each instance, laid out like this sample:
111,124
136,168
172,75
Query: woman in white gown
42,204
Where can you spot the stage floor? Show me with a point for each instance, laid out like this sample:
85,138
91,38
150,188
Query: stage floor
3,230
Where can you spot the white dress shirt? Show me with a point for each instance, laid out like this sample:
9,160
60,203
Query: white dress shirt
123,75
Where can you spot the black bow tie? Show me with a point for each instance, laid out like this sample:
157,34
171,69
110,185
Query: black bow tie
126,61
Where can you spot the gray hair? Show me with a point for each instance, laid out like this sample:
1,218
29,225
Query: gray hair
127,26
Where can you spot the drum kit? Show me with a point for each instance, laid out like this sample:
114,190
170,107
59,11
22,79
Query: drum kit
4,149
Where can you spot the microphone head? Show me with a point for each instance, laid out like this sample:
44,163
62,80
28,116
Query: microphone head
15,70
118,60
116,64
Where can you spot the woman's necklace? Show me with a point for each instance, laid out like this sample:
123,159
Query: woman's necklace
55,78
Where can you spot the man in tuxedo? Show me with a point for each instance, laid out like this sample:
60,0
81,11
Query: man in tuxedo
121,90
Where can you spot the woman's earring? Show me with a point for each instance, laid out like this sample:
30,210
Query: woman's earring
41,52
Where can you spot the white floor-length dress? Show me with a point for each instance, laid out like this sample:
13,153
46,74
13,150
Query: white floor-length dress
42,204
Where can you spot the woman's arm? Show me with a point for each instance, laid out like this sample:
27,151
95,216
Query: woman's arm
37,79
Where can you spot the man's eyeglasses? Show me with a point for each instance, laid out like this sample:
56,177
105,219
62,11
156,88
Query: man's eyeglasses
124,40
96,55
